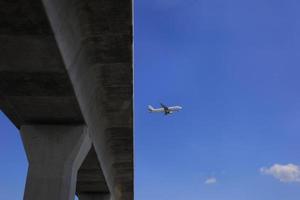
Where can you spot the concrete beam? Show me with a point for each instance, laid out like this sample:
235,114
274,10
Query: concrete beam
35,87
54,153
94,196
90,177
95,40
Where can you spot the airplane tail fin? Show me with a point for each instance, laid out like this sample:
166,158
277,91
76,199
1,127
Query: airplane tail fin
150,108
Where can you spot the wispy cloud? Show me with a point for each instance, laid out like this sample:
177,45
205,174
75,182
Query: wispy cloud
211,180
284,173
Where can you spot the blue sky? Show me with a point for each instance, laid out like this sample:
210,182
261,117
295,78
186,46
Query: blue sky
234,67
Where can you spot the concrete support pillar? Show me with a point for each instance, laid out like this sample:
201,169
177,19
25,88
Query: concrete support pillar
94,196
95,41
55,154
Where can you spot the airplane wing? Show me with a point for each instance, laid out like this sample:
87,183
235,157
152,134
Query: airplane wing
164,106
166,109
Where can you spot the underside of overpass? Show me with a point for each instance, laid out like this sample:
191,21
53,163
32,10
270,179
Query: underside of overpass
66,82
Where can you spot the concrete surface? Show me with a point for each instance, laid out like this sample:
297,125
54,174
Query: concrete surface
93,196
34,85
55,154
95,39
90,176
75,70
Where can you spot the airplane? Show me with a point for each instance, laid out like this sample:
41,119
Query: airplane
167,110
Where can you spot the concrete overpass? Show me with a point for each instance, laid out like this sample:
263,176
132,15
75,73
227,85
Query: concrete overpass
66,81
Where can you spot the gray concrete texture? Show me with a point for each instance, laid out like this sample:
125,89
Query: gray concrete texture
55,154
94,196
75,70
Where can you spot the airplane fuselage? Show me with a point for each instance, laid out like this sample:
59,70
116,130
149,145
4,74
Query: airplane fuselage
166,110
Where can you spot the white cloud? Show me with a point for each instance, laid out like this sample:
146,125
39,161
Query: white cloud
284,173
211,180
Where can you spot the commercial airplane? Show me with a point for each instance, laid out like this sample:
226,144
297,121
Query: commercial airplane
167,110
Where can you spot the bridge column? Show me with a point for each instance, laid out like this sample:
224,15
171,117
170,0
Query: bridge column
95,41
55,154
93,196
